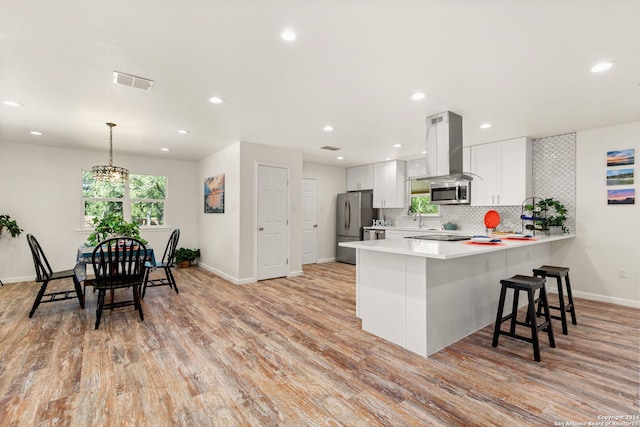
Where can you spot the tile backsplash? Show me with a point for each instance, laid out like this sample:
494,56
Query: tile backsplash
554,175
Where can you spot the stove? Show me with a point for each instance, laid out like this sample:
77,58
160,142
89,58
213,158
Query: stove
441,237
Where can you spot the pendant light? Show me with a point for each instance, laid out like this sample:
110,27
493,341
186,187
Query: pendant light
110,173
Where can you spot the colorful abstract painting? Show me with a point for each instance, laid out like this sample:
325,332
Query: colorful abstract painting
621,157
625,196
214,194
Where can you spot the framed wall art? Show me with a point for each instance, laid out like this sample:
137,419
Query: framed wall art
625,196
621,157
214,194
620,177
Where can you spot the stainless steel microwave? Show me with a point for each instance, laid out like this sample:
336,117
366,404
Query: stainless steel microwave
451,193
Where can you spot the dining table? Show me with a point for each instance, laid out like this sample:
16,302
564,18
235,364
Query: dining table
83,258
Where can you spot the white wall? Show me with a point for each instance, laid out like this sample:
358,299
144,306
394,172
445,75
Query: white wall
218,232
608,236
41,189
332,180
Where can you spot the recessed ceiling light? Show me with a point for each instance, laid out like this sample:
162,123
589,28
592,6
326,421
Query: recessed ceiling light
424,152
164,149
183,131
327,128
388,158
418,96
602,66
397,145
340,158
485,126
35,132
12,103
216,100
289,35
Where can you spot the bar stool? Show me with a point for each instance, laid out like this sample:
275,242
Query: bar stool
559,273
529,285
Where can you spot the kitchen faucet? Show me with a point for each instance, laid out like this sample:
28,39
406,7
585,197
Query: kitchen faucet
419,218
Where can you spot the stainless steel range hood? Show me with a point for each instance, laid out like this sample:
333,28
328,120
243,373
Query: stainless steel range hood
444,148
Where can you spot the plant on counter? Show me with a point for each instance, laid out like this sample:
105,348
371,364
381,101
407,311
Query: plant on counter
113,225
185,256
549,212
11,226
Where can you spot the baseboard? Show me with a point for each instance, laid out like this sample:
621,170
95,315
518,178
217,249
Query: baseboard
295,273
225,276
323,260
6,280
604,298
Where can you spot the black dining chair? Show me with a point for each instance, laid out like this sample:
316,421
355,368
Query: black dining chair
45,275
118,263
167,263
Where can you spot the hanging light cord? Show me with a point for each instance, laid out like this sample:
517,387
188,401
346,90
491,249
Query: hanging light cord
111,125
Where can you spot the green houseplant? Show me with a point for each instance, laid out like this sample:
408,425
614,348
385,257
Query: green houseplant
113,225
184,256
550,213
11,226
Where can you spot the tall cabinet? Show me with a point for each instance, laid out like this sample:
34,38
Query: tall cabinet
389,184
504,172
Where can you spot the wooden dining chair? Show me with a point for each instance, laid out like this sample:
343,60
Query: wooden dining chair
167,263
118,263
45,275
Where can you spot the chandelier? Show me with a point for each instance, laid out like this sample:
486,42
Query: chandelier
110,173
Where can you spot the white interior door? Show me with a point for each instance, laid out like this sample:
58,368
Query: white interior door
309,221
272,214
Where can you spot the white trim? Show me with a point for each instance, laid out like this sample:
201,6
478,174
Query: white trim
225,276
552,289
6,280
324,260
295,273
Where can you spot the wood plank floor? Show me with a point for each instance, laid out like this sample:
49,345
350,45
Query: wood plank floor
290,352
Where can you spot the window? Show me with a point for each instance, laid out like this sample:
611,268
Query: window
142,201
421,199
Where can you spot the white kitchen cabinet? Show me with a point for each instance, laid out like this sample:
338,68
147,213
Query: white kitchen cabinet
360,178
504,172
389,184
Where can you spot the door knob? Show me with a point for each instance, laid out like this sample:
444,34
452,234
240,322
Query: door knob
260,228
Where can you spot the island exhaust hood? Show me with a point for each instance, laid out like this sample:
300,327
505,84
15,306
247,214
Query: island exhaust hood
444,148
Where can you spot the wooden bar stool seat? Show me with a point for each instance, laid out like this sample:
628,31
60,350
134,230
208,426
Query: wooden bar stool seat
529,285
564,306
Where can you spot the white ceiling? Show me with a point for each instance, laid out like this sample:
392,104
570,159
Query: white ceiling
521,65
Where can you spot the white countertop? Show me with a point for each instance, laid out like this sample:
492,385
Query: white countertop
445,250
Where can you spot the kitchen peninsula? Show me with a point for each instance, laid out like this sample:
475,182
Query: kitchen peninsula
426,295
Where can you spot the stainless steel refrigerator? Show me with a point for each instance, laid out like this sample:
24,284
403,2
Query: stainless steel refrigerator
354,211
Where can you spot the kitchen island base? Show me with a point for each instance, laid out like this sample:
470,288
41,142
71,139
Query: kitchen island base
426,304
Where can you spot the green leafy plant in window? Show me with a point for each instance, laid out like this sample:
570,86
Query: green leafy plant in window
113,225
423,205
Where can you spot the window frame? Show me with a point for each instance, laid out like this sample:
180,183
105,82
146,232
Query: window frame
126,201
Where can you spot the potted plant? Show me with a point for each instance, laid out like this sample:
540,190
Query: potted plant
113,225
185,257
550,215
11,226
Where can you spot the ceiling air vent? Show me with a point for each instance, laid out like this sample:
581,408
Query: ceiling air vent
330,148
132,81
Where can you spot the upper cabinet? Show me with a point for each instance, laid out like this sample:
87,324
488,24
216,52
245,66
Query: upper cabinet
389,184
360,178
504,172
